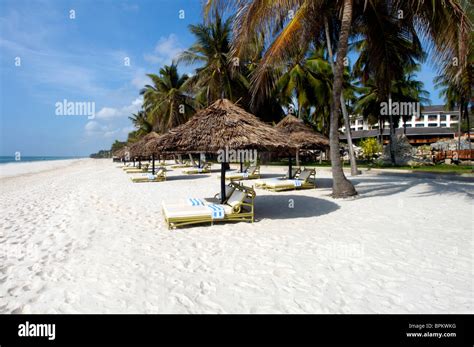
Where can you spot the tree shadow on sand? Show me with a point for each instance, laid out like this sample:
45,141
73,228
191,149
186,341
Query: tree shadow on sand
391,185
186,177
279,206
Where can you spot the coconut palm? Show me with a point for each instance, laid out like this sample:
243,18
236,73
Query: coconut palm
142,123
438,21
215,79
165,101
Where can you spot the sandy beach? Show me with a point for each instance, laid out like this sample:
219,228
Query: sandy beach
80,237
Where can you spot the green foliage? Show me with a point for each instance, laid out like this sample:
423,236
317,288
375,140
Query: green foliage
101,154
370,148
117,145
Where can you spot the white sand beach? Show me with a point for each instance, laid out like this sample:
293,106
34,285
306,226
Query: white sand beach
80,237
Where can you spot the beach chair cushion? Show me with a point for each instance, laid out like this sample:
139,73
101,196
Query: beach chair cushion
236,198
181,210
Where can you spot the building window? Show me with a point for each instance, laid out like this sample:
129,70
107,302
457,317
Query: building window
418,119
419,125
442,118
408,125
432,117
442,125
453,117
432,124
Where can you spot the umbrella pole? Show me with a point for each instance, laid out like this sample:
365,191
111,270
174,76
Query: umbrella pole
222,182
153,164
139,162
241,164
199,163
133,161
290,169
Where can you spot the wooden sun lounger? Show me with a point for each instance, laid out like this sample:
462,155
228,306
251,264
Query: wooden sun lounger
305,180
183,164
253,172
144,168
238,208
196,170
159,176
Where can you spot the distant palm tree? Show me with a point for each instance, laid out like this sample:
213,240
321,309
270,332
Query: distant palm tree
141,123
165,101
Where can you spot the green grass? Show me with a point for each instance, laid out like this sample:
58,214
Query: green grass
440,168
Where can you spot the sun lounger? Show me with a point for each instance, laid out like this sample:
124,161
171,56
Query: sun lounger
239,207
305,180
295,171
136,169
251,173
182,164
159,176
198,170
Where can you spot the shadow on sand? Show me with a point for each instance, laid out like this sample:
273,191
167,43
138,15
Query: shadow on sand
186,177
389,185
279,206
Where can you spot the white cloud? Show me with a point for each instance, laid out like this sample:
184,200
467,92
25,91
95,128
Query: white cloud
165,50
125,111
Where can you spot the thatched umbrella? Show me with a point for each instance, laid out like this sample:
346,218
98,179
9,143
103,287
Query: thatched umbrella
139,149
301,135
220,128
122,152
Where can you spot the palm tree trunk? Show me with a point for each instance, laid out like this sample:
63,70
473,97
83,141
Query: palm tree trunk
347,124
461,109
392,132
466,112
341,186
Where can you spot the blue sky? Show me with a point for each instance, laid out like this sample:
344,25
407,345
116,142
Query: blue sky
82,60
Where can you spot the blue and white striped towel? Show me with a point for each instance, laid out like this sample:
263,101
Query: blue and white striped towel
151,176
217,211
297,183
195,202
245,175
199,170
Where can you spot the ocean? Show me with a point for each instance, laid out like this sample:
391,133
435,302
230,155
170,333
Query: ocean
24,159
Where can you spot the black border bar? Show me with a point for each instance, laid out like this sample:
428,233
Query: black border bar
242,329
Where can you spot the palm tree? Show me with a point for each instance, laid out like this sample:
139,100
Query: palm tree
308,81
408,89
216,78
141,123
439,21
165,101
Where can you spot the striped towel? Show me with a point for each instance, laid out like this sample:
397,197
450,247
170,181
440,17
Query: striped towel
245,175
217,211
150,176
195,202
297,183
199,170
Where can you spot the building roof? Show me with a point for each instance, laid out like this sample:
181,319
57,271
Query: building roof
437,109
360,134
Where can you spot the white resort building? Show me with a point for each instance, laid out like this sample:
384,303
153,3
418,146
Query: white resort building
431,116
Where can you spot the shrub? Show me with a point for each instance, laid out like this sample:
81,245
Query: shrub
370,148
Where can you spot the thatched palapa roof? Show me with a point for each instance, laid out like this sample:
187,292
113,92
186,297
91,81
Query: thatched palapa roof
301,134
121,152
219,126
139,149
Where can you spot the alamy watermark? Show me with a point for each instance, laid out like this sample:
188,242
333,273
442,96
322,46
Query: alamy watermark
75,108
396,108
227,155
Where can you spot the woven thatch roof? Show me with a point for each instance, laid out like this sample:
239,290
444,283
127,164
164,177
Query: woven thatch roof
219,126
139,149
301,134
121,152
